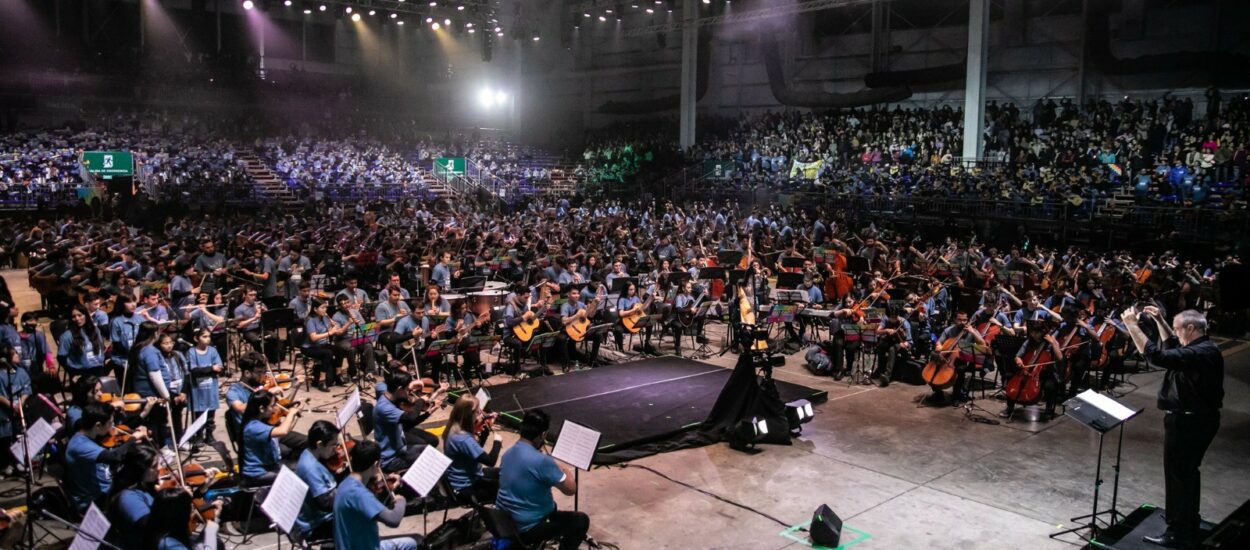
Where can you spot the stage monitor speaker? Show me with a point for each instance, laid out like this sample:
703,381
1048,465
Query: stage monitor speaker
826,528
1234,296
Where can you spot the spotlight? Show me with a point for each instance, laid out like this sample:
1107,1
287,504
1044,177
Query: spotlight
287,3
707,1
429,19
447,22
609,10
536,36
799,413
373,12
355,17
459,8
394,15
400,22
498,34
486,97
348,9
500,97
248,4
307,11
649,10
432,4
746,433
586,14
471,31
321,7
497,29
602,18
435,25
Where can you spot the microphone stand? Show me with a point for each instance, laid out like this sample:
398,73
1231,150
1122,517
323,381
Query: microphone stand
29,479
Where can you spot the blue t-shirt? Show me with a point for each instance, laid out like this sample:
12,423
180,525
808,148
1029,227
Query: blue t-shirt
260,450
320,481
88,479
149,361
13,383
387,430
88,358
237,392
526,477
355,513
463,451
133,506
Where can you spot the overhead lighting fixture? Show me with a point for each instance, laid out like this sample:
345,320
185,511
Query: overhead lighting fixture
447,22
649,10
307,11
348,9
355,17
602,18
435,25
286,3
429,19
459,8
248,4
400,22
321,7
432,4
394,15
373,12
537,37
471,31
497,29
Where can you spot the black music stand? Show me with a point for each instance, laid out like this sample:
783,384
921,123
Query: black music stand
471,284
712,273
857,264
541,342
678,278
789,280
728,257
792,262
619,284
1101,414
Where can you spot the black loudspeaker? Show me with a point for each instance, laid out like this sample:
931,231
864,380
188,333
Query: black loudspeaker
1233,294
826,528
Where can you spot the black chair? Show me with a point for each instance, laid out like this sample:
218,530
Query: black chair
500,525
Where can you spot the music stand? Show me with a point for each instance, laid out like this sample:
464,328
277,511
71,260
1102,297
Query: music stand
1101,414
728,257
678,278
711,273
856,264
542,341
619,284
471,284
788,280
792,262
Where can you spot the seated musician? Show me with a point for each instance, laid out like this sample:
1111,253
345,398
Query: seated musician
260,455
573,311
517,311
35,355
1116,344
984,318
252,371
1076,340
843,353
398,412
526,477
301,304
959,332
88,465
413,327
357,509
472,470
152,309
316,520
393,282
81,346
1032,310
459,325
171,523
320,336
349,315
685,306
247,319
387,314
435,303
1051,376
150,375
181,291
95,311
131,496
352,291
893,342
629,304
815,300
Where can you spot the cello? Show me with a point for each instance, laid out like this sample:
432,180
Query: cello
1025,387
939,372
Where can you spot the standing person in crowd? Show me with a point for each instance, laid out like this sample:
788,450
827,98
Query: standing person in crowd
204,365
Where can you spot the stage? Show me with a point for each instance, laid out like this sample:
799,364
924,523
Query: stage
632,404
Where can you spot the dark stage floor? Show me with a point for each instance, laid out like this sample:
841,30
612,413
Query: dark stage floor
629,403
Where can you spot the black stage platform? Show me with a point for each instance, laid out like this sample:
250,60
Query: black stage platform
631,404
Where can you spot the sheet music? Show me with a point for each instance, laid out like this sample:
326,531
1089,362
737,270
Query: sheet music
40,433
576,445
1107,405
91,531
482,398
285,499
193,428
427,470
349,409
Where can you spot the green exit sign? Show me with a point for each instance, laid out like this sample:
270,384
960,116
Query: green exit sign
109,163
449,167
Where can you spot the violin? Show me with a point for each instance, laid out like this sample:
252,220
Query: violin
383,485
280,381
485,423
132,402
119,436
338,463
281,409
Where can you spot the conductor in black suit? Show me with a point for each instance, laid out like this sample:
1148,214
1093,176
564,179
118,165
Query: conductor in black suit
1191,397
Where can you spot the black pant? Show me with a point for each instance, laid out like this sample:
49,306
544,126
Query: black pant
327,359
569,527
842,355
1185,441
887,356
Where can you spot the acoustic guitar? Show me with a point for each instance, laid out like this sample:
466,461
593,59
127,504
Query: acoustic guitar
577,329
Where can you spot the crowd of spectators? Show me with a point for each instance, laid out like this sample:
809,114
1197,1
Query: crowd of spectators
343,168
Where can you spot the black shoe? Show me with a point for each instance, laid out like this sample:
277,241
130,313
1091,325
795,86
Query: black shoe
1167,538
701,339
962,397
883,382
322,386
207,435
1006,413
838,375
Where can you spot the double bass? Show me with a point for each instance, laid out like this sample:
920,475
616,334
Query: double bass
839,283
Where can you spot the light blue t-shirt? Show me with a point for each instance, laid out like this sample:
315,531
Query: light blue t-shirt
133,506
355,513
526,477
387,430
88,479
463,451
149,361
260,449
320,481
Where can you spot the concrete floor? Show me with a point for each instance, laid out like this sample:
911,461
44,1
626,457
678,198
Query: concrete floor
899,474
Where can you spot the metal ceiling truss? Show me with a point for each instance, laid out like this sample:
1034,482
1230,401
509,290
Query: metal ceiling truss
776,9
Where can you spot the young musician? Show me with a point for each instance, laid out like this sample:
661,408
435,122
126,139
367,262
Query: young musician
629,304
357,509
414,326
204,365
460,324
208,313
152,309
443,273
1076,340
315,521
320,334
247,319
961,332
173,373
170,524
96,313
391,422
526,477
893,342
685,303
88,473
843,353
131,496
472,470
252,369
573,311
123,329
81,347
259,450
388,313
36,356
15,387
516,312
1051,376
301,303
349,316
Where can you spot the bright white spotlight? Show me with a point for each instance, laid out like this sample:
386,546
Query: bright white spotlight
321,7
500,97
602,18
355,17
307,11
248,4
429,19
373,12
498,34
400,23
394,15
287,3
497,29
486,97
348,9
447,22
649,10
459,8
435,26
471,31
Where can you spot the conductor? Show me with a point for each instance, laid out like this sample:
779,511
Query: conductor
1191,397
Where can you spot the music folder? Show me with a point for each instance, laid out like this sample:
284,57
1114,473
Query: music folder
1097,411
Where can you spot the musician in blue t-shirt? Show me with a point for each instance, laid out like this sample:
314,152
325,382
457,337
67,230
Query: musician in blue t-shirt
526,477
